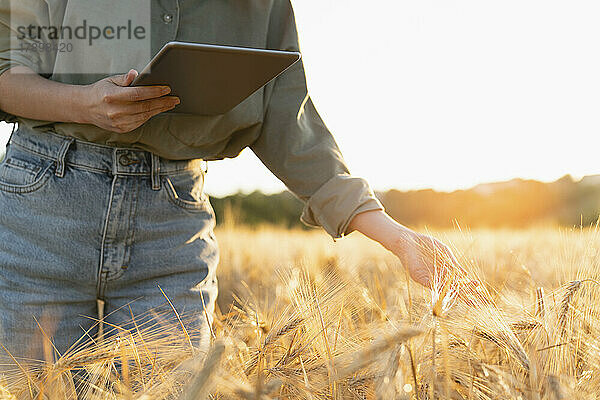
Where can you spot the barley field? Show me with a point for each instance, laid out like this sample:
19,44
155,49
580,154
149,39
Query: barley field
302,317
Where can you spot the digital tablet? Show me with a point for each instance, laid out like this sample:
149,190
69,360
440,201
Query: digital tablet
213,79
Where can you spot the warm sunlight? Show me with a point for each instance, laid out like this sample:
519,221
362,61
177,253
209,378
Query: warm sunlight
450,93
470,271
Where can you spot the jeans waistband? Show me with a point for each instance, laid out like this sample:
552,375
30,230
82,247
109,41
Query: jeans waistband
66,150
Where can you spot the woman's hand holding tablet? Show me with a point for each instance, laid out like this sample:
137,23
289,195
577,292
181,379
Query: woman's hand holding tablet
115,106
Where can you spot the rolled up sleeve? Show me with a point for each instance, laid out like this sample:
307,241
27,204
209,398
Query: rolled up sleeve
298,148
13,50
13,45
335,203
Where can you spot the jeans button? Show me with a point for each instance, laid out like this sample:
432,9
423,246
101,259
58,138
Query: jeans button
167,18
124,160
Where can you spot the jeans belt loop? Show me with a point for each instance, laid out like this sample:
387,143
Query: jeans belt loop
14,128
204,172
60,160
155,172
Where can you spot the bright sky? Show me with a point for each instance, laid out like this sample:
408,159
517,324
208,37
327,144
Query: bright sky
448,94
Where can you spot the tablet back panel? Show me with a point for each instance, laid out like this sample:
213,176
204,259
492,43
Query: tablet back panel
212,80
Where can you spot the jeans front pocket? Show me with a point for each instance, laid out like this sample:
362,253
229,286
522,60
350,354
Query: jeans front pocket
186,190
23,171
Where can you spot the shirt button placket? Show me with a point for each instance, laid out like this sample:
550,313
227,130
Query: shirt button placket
171,18
165,23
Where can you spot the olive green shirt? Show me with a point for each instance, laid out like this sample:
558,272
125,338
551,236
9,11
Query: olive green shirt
279,122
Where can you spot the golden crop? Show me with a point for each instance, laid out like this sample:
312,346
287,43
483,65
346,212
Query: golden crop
301,317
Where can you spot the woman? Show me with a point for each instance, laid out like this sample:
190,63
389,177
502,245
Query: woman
101,191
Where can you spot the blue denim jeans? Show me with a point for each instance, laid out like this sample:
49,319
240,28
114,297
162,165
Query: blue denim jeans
83,224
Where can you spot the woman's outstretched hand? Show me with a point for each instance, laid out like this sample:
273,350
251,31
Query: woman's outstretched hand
113,105
424,257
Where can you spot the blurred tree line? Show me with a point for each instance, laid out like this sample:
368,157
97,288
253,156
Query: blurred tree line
281,209
516,203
